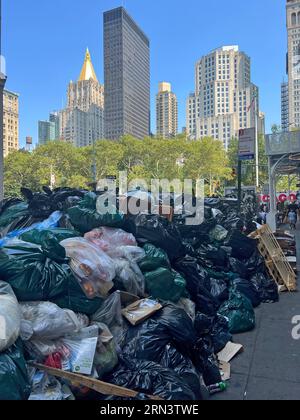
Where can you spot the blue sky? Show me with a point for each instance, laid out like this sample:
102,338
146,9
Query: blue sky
44,44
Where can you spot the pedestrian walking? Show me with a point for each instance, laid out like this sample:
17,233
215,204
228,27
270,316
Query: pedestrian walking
292,219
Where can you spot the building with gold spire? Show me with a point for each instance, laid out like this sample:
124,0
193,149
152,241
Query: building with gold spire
82,121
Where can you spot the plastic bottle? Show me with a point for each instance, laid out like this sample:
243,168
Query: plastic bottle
215,389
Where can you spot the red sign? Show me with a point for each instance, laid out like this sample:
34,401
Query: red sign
281,197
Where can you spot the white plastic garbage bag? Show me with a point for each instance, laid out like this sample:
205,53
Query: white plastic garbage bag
46,321
10,317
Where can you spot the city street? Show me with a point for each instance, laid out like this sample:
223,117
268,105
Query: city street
269,368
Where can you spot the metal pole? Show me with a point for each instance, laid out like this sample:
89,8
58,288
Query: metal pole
256,145
239,185
94,163
2,84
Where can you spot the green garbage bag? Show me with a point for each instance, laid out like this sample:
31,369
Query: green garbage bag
165,285
36,236
43,274
239,310
85,216
12,217
76,300
31,273
14,380
155,258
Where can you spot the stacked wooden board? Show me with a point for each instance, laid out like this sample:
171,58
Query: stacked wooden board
276,261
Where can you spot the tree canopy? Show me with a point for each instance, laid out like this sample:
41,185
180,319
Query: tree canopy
151,158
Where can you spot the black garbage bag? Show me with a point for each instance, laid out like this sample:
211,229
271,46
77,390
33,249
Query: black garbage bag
213,203
184,367
39,204
148,341
158,231
198,232
248,289
219,290
266,288
64,198
217,256
14,380
198,285
217,328
150,378
203,324
238,267
255,264
232,221
155,258
239,310
241,245
85,217
206,361
220,333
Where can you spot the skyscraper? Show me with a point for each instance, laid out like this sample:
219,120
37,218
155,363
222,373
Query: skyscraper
82,122
293,59
54,118
225,100
10,122
166,112
46,131
127,76
285,106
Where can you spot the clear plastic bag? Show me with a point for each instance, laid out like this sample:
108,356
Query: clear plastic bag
189,307
108,239
218,234
131,277
110,314
106,357
131,253
47,321
47,388
49,223
10,317
94,269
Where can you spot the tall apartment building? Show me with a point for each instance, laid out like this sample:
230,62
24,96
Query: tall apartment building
293,60
166,112
285,106
10,122
46,132
127,76
82,121
221,104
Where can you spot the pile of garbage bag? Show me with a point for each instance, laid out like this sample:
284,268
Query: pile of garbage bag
134,300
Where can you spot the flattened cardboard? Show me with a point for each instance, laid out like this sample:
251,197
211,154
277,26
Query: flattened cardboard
140,311
230,351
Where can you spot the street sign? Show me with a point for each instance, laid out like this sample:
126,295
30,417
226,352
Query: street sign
247,144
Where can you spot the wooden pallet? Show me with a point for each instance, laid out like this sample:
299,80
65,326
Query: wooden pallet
276,262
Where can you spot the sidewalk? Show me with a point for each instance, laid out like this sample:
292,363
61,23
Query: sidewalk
269,368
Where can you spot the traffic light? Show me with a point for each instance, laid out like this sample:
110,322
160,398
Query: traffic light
234,173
